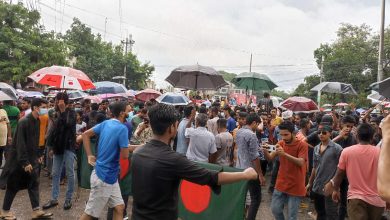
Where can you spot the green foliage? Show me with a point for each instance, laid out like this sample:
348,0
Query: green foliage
228,77
351,58
24,46
280,93
102,60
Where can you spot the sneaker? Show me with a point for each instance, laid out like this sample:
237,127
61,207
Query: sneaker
67,204
50,204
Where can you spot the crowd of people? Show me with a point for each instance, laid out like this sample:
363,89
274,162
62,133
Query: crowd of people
330,157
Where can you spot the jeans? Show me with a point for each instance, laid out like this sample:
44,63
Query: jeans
58,161
274,174
277,205
255,194
325,207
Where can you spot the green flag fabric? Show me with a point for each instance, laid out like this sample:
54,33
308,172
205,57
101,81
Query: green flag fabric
199,202
85,168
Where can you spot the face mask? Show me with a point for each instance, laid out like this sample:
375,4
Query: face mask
43,111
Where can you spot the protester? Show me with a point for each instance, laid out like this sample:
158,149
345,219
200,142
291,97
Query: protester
248,156
113,141
21,170
201,142
182,142
360,164
224,143
383,181
5,133
265,104
212,122
13,114
25,107
63,138
290,182
231,122
156,196
325,161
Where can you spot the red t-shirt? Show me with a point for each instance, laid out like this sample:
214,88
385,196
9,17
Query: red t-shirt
291,178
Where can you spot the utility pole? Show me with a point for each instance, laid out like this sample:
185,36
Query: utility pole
321,75
381,42
250,64
129,42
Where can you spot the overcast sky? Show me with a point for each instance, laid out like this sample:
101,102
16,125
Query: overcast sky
281,34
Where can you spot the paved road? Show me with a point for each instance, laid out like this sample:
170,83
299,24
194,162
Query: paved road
22,208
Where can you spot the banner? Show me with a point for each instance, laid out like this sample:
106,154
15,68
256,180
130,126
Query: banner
199,202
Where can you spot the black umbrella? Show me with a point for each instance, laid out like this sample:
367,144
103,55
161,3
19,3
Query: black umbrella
196,77
382,87
335,87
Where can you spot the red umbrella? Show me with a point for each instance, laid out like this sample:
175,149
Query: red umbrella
62,77
94,99
300,104
147,94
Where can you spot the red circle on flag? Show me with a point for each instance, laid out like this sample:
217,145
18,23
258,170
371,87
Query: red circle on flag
195,197
70,83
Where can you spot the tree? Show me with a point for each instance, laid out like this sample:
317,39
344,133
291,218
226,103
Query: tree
102,60
24,46
228,77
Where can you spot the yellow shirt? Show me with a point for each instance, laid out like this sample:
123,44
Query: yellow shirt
43,120
276,121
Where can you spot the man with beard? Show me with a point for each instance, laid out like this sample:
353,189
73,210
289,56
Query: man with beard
113,143
157,170
290,183
21,170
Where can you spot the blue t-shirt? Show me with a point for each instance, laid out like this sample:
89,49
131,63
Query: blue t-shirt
231,124
113,135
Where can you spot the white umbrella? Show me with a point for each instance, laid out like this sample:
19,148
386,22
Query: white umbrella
173,99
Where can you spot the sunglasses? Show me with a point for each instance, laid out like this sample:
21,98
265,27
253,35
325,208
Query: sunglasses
323,132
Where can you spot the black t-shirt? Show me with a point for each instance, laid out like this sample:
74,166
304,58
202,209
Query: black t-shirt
156,174
349,141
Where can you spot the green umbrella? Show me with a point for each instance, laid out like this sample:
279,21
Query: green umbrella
253,81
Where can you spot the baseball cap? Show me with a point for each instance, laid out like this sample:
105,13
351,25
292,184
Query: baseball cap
287,114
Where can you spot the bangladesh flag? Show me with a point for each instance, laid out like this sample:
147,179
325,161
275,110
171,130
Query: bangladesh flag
199,202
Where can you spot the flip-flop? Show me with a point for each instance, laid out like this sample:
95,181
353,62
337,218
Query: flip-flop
46,215
8,216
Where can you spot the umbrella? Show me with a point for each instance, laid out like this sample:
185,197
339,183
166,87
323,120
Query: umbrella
94,99
342,104
33,94
9,90
131,93
111,96
382,87
327,106
62,77
76,94
105,87
196,77
375,97
147,94
335,87
173,99
5,97
299,104
254,81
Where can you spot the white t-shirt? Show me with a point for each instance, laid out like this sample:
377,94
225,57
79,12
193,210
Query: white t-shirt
80,127
3,127
202,144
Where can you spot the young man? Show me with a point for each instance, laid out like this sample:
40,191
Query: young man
5,133
266,104
345,139
113,141
290,182
360,164
21,170
326,158
202,142
224,143
156,196
248,156
241,123
63,147
231,123
182,142
212,122
384,162
25,107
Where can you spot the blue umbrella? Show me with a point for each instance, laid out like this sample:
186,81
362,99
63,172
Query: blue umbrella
105,87
173,99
